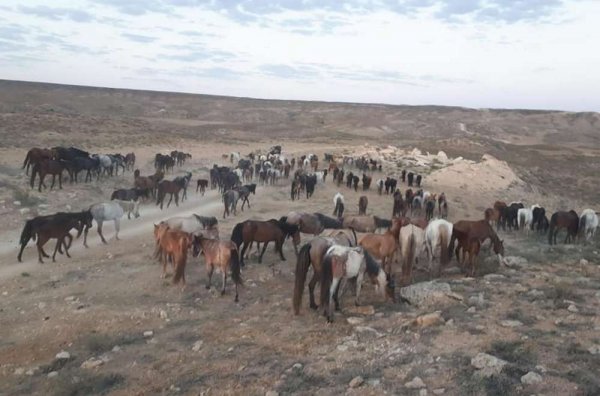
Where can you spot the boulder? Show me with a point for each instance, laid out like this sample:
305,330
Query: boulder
488,365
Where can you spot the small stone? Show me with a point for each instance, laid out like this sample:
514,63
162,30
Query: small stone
116,348
430,319
43,206
109,256
17,203
70,298
374,382
494,277
30,372
356,382
362,310
19,371
53,374
92,363
583,262
297,366
416,383
488,365
480,327
63,355
148,333
68,207
541,369
472,310
477,300
163,314
342,348
572,308
422,392
24,211
531,378
511,323
197,345
594,349
272,393
439,391
354,320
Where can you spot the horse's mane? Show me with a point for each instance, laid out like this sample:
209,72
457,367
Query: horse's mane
372,265
288,229
381,223
328,222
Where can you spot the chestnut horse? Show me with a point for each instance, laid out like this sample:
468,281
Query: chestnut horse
383,246
567,220
34,156
222,255
465,230
174,245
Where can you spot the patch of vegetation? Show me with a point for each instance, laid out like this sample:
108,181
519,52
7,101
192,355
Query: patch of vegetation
100,343
563,291
99,384
517,314
299,381
516,352
474,385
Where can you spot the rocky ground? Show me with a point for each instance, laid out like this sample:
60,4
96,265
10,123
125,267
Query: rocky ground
104,322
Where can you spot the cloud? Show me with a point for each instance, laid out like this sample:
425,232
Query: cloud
507,11
136,7
13,32
73,14
139,38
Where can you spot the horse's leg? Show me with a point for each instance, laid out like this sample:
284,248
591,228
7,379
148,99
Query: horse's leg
224,281
53,181
244,247
359,281
339,293
40,244
60,180
59,241
170,199
117,228
177,199
210,273
262,252
311,290
100,222
280,248
332,289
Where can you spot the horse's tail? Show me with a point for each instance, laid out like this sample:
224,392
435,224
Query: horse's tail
582,221
34,170
180,258
410,254
355,237
236,273
27,159
301,270
445,248
551,228
26,235
237,236
326,279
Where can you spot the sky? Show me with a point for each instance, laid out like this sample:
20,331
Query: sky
536,54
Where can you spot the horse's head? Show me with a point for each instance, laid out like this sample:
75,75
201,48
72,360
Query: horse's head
499,247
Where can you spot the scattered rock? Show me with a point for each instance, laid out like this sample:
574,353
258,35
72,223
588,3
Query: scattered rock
594,349
19,371
148,333
17,203
109,256
514,261
197,346
366,330
477,300
272,393
92,363
425,293
480,327
487,365
572,308
472,310
43,206
583,262
536,293
439,391
356,382
63,355
531,378
70,298
342,348
53,374
24,211
68,207
163,314
31,372
430,319
353,320
116,348
297,366
511,323
422,392
374,382
416,383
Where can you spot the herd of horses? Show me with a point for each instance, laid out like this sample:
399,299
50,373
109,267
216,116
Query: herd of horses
344,247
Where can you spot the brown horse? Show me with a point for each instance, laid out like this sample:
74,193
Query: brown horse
147,182
47,167
383,246
54,227
567,220
363,201
491,215
222,255
262,231
365,223
307,223
35,156
312,253
174,245
464,231
399,208
172,187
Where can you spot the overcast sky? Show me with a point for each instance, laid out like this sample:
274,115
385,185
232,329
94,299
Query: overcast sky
541,54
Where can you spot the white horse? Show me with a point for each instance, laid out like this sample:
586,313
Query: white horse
105,163
112,210
341,263
338,204
588,222
438,233
194,224
234,157
525,218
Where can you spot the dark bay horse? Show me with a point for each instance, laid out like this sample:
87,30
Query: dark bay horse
465,230
48,167
172,187
262,231
34,156
567,220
